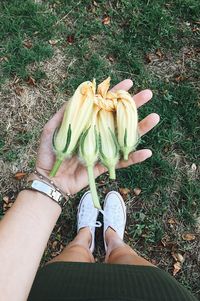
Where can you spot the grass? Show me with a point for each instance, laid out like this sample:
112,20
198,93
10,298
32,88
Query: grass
22,21
155,43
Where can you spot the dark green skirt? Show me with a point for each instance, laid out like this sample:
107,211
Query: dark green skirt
95,281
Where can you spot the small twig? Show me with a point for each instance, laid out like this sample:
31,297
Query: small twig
125,72
65,16
183,62
71,63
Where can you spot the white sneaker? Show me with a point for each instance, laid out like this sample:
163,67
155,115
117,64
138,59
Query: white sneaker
87,216
114,214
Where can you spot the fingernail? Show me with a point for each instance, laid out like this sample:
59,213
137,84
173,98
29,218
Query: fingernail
149,154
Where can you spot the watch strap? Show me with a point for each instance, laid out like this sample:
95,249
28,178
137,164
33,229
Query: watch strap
48,190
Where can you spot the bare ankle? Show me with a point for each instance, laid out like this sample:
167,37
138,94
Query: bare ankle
111,235
84,236
113,241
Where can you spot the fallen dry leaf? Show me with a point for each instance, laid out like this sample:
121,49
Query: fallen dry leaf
19,90
6,199
166,149
148,58
70,39
111,59
106,20
195,29
193,167
31,81
188,236
16,80
177,268
172,221
54,254
178,257
19,175
124,190
53,42
92,38
49,85
54,244
137,190
5,207
3,59
159,53
61,248
27,44
153,261
179,78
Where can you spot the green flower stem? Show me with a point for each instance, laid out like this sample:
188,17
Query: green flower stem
112,173
55,167
125,154
92,185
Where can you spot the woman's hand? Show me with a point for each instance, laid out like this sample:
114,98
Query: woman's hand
72,175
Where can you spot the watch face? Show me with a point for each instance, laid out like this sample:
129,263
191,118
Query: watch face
51,192
41,186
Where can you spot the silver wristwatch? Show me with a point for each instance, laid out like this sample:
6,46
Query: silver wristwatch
48,190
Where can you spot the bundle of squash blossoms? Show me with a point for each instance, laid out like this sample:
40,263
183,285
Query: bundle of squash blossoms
98,125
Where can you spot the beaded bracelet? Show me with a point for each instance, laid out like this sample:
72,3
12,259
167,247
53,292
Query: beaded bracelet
37,173
48,188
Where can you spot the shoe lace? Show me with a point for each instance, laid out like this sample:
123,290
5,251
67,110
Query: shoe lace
98,224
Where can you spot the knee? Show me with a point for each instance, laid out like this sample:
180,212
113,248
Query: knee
121,254
79,250
76,247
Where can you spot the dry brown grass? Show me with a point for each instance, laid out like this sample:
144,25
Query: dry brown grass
25,109
173,66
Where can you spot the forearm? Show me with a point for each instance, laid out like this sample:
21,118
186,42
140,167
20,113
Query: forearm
24,232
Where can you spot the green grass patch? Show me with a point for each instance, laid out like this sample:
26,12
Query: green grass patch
25,28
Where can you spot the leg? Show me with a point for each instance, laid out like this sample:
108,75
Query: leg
120,253
114,225
78,250
82,247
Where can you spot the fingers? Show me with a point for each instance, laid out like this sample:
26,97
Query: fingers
148,123
135,157
142,97
124,85
99,169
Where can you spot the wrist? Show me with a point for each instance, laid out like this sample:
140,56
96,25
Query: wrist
46,186
36,176
34,199
39,209
39,174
